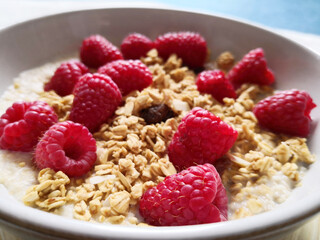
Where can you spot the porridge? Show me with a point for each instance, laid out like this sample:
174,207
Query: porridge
259,171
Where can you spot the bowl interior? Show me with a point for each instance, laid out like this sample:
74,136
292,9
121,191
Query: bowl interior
36,42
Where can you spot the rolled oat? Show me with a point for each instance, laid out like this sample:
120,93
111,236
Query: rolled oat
132,154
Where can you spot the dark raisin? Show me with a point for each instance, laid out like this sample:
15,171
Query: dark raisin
156,114
199,70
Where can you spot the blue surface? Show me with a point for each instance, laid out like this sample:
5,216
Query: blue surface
299,15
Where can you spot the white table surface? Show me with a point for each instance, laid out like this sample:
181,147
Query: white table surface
15,11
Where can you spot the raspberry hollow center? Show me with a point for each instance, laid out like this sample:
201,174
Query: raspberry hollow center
73,149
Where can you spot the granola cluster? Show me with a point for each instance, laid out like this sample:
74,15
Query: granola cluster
132,155
259,157
51,191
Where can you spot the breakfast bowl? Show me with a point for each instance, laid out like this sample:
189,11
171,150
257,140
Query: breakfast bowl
33,43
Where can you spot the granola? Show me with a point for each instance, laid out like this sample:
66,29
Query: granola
132,155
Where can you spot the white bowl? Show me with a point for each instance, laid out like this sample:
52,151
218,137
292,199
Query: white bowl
35,42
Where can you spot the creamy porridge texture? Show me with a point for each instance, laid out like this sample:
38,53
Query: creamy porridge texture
18,173
259,171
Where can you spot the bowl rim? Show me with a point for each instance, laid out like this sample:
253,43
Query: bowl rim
265,223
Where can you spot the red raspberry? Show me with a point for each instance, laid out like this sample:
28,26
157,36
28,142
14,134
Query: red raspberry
68,147
189,46
286,112
129,75
215,83
193,196
201,138
135,46
96,97
251,69
97,51
23,124
65,77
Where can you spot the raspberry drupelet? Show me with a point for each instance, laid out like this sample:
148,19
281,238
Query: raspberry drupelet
201,138
68,147
286,112
129,75
193,196
23,124
96,51
215,83
65,77
252,68
189,46
135,46
96,97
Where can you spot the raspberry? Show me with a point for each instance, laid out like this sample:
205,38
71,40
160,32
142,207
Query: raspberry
251,69
68,147
201,138
97,51
96,97
215,83
286,112
129,75
23,124
65,77
135,46
189,46
193,196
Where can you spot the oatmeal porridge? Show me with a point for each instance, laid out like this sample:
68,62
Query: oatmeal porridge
259,171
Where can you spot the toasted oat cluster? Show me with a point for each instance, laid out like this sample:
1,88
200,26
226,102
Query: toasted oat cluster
51,191
132,155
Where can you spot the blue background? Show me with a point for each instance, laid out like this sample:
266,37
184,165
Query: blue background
303,16
298,15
